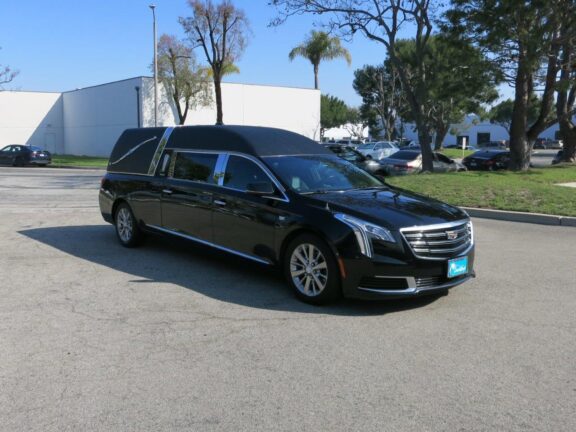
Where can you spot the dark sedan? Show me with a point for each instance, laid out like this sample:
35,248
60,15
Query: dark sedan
489,160
352,155
410,162
20,155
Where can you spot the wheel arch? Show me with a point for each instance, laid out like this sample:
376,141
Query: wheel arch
305,230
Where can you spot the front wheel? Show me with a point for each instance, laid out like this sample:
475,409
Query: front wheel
312,271
127,229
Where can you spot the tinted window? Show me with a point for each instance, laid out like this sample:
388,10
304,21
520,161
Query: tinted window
368,146
240,172
320,173
443,158
405,155
195,166
7,149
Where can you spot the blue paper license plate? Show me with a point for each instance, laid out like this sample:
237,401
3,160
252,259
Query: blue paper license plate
457,267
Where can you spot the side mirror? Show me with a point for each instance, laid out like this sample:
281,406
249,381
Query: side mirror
260,188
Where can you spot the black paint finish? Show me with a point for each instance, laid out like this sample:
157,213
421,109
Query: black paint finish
260,226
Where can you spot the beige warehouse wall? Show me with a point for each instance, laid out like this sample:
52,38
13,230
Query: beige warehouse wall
32,118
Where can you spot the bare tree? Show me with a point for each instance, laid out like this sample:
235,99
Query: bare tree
381,21
220,30
6,75
186,82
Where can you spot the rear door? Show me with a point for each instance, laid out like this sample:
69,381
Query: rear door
242,221
443,163
6,155
187,195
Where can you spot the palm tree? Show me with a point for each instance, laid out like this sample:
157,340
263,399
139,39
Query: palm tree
320,46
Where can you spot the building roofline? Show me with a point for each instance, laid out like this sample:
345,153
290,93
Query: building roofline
104,84
256,85
149,77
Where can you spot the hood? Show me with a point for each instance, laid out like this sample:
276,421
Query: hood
389,207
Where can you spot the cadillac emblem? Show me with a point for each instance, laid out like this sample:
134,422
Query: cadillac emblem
451,235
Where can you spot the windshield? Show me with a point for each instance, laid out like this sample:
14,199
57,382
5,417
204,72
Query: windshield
368,146
349,154
320,173
405,155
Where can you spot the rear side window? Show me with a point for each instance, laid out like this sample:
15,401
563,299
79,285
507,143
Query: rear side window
240,172
195,166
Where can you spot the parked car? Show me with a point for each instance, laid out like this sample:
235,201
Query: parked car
557,157
456,146
490,160
492,145
410,162
276,197
21,155
350,142
378,150
351,155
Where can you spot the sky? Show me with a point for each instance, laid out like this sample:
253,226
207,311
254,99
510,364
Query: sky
61,45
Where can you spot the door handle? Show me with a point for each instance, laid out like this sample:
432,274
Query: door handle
219,202
167,191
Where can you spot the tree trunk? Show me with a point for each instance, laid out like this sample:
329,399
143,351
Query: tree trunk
568,133
425,140
316,76
519,146
218,91
441,131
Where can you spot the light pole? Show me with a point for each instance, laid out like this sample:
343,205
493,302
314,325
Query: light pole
153,7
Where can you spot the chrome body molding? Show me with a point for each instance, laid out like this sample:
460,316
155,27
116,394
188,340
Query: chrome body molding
207,243
132,150
220,169
159,150
413,289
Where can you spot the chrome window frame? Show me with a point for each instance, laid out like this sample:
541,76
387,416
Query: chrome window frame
220,170
175,152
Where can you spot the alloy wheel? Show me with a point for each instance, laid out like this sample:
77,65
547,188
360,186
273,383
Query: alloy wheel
124,224
308,269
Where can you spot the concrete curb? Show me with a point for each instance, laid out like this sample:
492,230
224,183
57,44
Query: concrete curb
535,218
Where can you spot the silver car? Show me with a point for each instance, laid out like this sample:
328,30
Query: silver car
378,150
410,162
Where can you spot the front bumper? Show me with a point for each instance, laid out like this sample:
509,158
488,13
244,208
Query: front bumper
383,277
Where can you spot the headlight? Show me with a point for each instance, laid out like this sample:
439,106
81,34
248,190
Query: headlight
365,232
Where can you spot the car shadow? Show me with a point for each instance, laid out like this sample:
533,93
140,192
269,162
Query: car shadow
215,274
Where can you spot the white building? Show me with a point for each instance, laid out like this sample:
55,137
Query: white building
88,121
476,130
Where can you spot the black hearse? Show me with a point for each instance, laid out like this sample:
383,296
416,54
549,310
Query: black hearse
276,197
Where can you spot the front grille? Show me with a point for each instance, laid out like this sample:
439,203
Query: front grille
429,282
384,283
439,241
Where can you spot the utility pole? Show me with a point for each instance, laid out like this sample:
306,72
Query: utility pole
153,7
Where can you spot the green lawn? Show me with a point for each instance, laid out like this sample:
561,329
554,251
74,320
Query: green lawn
456,153
533,191
79,161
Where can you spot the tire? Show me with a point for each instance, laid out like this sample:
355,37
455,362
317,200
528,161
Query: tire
127,231
315,285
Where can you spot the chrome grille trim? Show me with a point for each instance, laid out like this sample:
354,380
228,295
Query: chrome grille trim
432,242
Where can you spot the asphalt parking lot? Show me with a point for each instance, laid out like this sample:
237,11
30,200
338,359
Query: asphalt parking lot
176,337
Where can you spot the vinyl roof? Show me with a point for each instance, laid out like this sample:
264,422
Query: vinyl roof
253,140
